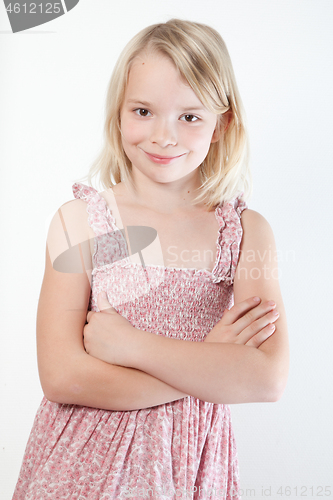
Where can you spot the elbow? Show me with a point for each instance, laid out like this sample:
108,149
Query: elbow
53,391
274,395
53,396
59,389
63,380
275,388
274,377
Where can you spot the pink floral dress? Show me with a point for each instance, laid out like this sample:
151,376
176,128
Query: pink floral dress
183,449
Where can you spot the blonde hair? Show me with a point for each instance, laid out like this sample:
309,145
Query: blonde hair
200,55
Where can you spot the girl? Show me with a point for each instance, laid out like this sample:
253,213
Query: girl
137,389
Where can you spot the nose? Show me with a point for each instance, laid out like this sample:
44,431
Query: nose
163,133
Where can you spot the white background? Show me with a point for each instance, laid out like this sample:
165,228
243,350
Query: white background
54,80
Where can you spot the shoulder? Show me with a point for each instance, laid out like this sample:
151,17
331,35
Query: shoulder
258,259
255,226
250,217
257,245
72,216
69,227
74,209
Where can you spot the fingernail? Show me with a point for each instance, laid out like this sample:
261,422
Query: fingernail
256,299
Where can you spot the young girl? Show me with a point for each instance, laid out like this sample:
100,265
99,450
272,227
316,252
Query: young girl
140,348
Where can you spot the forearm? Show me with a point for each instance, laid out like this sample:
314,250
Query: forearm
92,382
213,372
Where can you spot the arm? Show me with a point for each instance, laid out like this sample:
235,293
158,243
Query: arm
220,372
67,373
257,273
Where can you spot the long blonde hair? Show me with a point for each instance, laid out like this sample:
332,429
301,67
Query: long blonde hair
201,56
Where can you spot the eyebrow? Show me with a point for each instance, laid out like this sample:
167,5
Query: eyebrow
148,104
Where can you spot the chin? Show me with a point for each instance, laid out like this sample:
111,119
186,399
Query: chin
157,174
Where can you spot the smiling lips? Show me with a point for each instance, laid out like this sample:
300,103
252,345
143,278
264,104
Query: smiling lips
164,160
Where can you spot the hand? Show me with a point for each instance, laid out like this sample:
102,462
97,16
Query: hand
246,323
107,335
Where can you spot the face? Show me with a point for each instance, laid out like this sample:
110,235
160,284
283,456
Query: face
166,130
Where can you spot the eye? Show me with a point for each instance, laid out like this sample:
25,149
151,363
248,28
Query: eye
141,109
190,120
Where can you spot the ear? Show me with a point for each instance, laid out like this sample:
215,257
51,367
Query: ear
216,135
218,132
227,120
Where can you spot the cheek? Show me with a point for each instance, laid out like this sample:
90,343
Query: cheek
132,131
197,139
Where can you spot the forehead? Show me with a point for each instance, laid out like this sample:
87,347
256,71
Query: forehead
150,58
154,72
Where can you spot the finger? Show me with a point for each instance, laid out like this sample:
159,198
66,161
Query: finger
258,326
261,336
231,315
84,338
84,346
103,303
254,314
90,313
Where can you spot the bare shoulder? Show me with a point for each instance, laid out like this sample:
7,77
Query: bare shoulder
257,268
257,271
76,209
256,228
251,218
69,227
73,215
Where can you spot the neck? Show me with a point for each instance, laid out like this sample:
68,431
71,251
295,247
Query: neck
169,198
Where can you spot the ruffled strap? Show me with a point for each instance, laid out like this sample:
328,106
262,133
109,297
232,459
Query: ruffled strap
229,238
100,218
109,244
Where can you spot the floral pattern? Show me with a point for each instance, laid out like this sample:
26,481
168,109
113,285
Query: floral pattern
183,449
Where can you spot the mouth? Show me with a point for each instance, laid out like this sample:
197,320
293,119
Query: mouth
162,159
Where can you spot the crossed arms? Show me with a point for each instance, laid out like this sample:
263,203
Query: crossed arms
238,362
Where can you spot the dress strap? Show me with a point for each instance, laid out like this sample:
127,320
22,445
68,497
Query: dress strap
229,238
100,218
110,244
